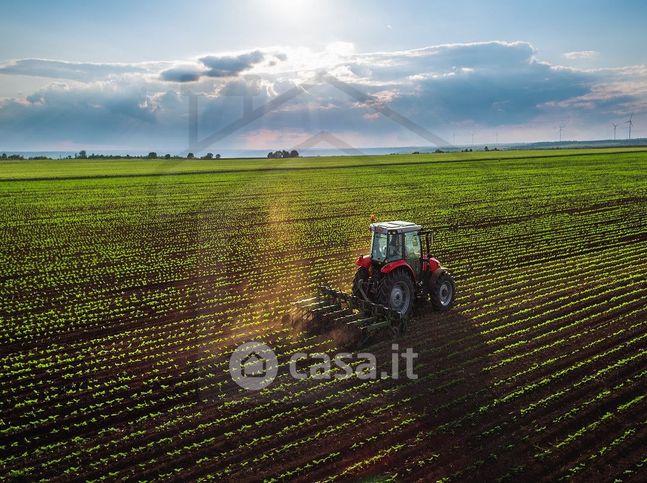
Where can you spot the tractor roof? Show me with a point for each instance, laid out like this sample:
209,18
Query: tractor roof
394,227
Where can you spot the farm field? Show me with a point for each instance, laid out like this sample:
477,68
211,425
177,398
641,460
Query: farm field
125,285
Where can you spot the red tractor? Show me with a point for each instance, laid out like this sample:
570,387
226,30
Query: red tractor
397,272
387,283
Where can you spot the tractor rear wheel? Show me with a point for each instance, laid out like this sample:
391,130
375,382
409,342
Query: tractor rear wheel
397,292
442,292
361,277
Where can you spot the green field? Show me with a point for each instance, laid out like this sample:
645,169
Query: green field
126,284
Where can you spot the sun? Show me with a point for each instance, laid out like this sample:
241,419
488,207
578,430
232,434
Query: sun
287,6
291,10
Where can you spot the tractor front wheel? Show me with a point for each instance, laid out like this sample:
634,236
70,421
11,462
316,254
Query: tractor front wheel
442,292
397,292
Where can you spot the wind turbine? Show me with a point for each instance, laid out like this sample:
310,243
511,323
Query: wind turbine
631,123
614,130
561,128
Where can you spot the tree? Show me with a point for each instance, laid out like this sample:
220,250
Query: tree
190,156
282,153
208,156
152,155
82,155
4,155
167,156
217,156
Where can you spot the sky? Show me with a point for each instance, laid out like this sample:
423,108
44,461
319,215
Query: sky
121,75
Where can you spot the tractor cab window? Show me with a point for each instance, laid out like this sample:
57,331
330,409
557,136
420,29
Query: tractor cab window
412,245
378,250
413,250
386,247
394,247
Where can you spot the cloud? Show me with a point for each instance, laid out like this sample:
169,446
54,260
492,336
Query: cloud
80,71
214,66
99,113
492,84
445,88
220,66
229,66
183,73
241,87
581,54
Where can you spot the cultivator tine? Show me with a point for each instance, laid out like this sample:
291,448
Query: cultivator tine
346,318
367,321
308,301
313,307
338,313
326,308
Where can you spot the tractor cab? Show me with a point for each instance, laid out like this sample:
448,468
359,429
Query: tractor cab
395,241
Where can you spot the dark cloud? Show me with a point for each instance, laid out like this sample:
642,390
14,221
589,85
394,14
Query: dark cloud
229,66
181,74
97,115
220,66
509,94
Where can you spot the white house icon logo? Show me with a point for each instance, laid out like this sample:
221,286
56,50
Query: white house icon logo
253,366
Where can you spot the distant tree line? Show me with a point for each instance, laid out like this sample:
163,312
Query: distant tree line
283,154
84,155
20,157
11,156
153,155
